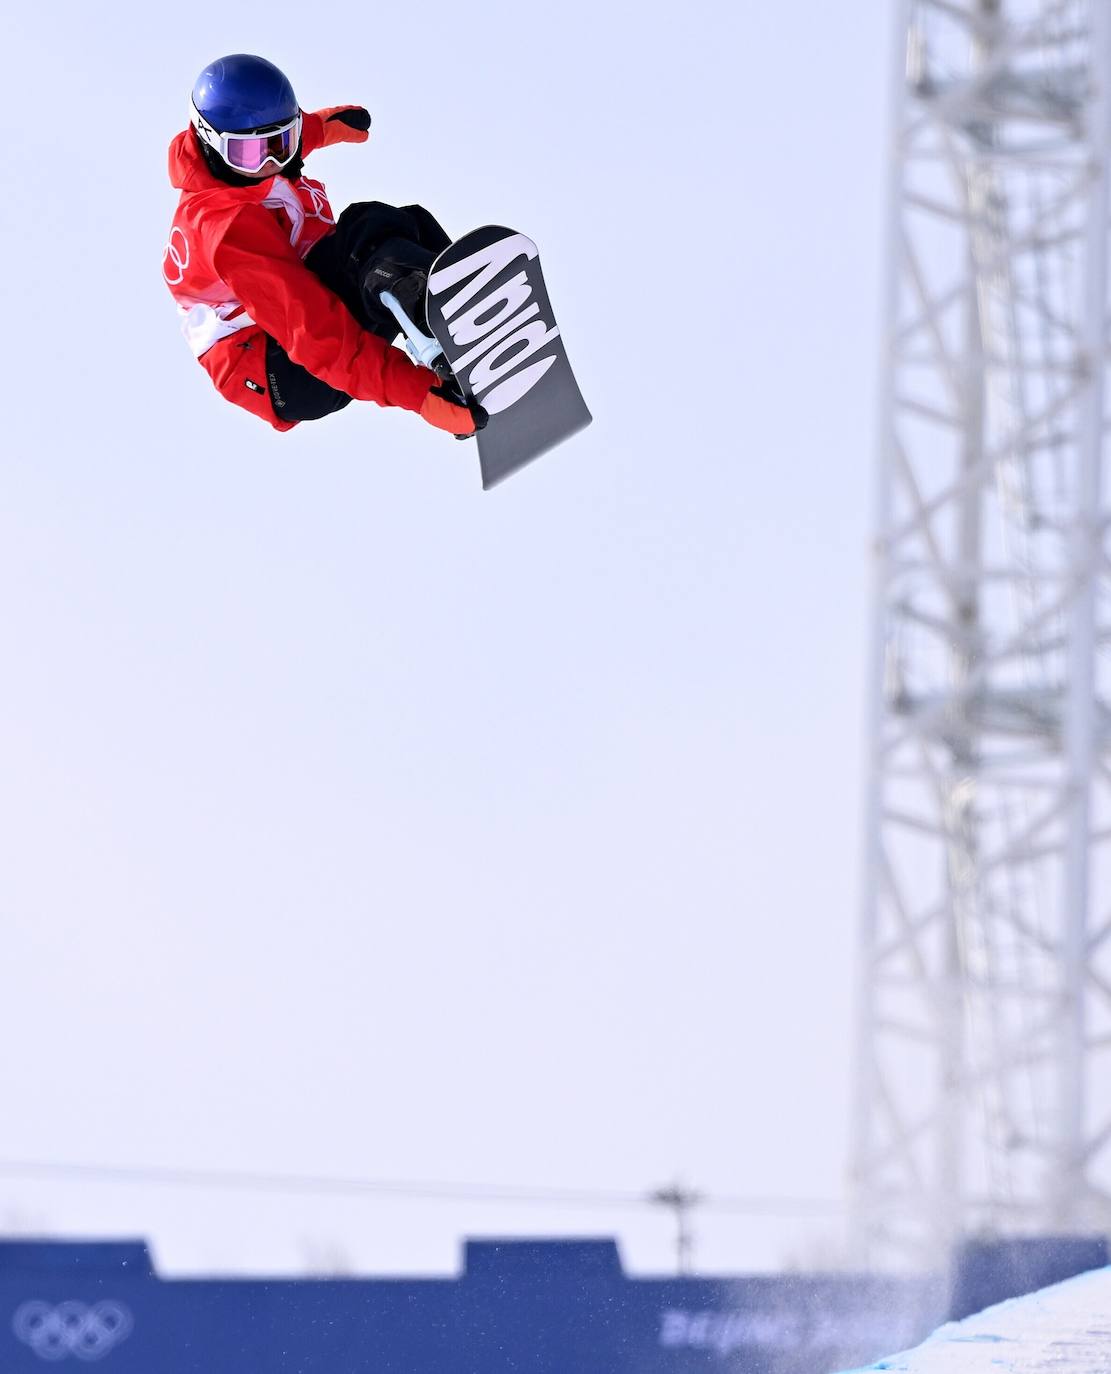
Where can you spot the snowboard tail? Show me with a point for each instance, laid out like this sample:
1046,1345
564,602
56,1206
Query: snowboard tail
488,308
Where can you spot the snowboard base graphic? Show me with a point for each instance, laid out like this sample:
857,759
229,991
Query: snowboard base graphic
488,309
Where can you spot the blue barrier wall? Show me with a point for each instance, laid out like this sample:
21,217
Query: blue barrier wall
989,1271
547,1307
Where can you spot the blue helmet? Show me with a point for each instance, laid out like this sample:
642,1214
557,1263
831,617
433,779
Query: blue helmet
241,94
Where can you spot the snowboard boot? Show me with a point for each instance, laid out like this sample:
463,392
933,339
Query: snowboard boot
401,267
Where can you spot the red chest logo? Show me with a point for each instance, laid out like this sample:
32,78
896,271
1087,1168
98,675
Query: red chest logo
318,207
303,208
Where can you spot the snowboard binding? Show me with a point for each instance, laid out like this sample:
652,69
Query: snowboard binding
421,347
395,279
426,350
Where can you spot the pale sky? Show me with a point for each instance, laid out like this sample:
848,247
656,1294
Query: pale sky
355,822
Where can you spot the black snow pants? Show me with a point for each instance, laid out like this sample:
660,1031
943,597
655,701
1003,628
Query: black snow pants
373,246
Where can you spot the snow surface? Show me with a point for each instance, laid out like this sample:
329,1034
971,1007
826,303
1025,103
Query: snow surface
1066,1327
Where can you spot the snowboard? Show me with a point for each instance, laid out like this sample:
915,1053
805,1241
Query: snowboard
488,308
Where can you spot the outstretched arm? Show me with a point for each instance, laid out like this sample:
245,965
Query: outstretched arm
336,124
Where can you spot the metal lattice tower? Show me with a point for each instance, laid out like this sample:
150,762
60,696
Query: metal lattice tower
984,1100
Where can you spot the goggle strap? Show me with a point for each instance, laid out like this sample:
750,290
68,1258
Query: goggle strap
221,141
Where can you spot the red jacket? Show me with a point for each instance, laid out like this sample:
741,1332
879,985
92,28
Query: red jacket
234,265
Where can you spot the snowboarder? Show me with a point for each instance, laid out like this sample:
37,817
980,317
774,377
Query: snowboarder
279,300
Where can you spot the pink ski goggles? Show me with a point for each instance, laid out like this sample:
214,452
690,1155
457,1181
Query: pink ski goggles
251,152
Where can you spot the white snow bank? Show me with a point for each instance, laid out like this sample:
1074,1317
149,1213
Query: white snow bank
1066,1327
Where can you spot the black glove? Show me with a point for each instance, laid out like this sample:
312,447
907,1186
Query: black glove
355,118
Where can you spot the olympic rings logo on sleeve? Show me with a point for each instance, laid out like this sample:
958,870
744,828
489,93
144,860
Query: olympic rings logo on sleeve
87,1332
175,257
